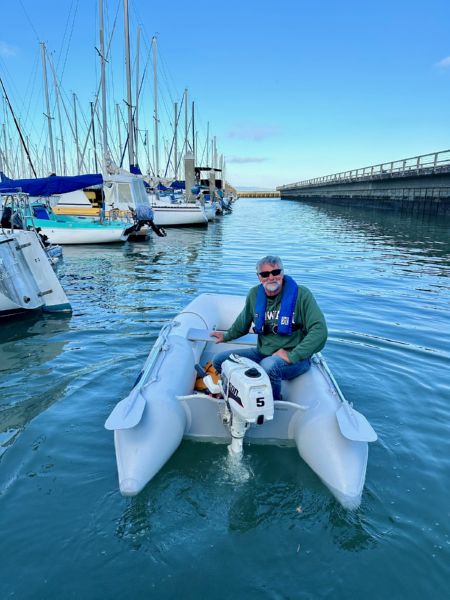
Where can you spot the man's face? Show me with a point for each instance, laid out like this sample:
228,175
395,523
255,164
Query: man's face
272,282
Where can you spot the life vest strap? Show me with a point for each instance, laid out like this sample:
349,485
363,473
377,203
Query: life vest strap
285,324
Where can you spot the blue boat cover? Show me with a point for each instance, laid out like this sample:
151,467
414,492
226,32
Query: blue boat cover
47,186
178,185
135,169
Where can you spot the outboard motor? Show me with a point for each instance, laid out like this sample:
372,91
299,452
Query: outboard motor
143,215
248,395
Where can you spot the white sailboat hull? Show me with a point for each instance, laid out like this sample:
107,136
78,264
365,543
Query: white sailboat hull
27,279
79,235
306,418
179,214
210,210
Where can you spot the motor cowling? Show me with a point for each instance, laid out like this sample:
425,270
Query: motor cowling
248,393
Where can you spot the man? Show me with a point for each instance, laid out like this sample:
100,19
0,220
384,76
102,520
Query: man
289,323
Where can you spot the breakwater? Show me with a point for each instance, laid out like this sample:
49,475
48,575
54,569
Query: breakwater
417,185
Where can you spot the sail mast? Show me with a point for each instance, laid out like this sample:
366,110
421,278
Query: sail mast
76,132
207,145
175,140
136,112
103,86
129,99
155,105
47,104
63,165
193,131
186,125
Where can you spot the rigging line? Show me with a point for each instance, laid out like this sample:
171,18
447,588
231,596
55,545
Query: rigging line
33,83
134,110
18,128
164,77
203,153
99,85
125,124
161,61
163,98
88,134
171,147
32,128
166,73
69,12
30,22
62,93
14,91
68,43
141,84
96,115
110,81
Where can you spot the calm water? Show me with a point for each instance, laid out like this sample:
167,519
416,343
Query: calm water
271,530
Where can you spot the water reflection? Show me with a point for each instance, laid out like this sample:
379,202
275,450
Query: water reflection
36,340
423,234
27,349
133,276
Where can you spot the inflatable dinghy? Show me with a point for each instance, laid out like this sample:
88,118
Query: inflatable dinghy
163,407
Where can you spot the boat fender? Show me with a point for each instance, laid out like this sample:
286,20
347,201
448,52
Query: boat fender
286,314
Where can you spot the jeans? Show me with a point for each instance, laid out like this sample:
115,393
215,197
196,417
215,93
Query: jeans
276,368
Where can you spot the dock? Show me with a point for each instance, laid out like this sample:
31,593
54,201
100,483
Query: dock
419,184
256,194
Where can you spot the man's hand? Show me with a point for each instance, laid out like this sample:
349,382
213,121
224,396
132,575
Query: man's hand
218,335
282,354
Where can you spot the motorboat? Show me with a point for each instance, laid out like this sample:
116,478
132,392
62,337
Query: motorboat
27,279
163,408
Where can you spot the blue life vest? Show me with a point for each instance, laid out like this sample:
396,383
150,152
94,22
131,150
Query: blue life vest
286,314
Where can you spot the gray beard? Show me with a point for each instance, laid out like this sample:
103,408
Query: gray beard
273,286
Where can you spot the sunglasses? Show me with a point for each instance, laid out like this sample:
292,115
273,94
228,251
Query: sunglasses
265,274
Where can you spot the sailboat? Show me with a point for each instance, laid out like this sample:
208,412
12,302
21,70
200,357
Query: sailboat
172,210
27,279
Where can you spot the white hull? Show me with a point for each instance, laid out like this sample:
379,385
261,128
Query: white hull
210,210
179,214
306,418
27,280
79,235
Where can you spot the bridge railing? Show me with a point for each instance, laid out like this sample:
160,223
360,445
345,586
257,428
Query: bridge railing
433,162
430,193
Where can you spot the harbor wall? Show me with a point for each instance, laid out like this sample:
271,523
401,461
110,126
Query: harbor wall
422,194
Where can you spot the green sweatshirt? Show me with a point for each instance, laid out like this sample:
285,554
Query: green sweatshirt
303,343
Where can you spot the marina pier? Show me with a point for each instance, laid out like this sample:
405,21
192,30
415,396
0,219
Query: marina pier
419,184
256,194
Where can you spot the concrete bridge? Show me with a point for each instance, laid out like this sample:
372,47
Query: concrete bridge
420,184
254,194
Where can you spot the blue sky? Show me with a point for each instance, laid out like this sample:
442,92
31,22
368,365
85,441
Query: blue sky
292,89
